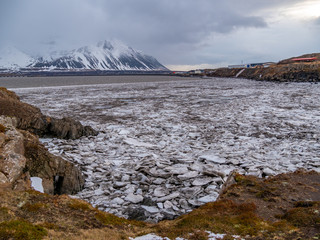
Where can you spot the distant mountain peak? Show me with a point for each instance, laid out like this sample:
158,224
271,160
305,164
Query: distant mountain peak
105,45
105,55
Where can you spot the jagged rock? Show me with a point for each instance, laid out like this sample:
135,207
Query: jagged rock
30,118
22,156
12,159
68,128
136,213
59,176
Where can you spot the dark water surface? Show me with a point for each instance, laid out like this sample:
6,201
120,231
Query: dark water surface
31,82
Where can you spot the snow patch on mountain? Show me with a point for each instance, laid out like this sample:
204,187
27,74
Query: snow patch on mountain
12,58
105,55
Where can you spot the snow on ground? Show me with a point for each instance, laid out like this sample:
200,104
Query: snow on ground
165,148
36,184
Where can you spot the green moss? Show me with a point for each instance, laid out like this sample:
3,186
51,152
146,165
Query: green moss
222,217
79,205
109,219
21,230
4,214
48,225
245,180
303,216
33,207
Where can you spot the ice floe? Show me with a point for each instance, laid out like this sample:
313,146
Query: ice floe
165,148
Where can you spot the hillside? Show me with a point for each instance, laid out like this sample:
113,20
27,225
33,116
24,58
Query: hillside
284,71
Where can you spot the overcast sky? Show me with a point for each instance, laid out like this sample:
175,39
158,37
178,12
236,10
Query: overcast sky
181,34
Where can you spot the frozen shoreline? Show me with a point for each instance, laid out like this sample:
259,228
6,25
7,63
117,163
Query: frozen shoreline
167,147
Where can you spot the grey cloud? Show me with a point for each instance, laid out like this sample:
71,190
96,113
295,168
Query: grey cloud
166,29
165,21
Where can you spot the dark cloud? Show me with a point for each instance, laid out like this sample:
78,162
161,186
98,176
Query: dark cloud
161,28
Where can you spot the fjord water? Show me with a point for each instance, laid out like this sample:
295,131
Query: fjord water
33,82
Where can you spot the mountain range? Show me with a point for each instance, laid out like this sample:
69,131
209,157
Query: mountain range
106,55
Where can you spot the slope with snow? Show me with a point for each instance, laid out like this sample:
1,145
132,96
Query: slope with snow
12,58
103,56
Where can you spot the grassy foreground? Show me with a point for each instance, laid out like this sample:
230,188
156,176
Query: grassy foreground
251,208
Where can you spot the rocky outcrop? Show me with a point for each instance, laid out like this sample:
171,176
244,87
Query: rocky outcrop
31,119
294,72
22,156
68,128
12,159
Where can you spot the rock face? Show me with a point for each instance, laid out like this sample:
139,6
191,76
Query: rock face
31,119
22,157
12,159
68,128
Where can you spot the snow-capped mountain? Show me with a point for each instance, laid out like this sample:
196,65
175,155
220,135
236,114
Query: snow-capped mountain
12,58
106,55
